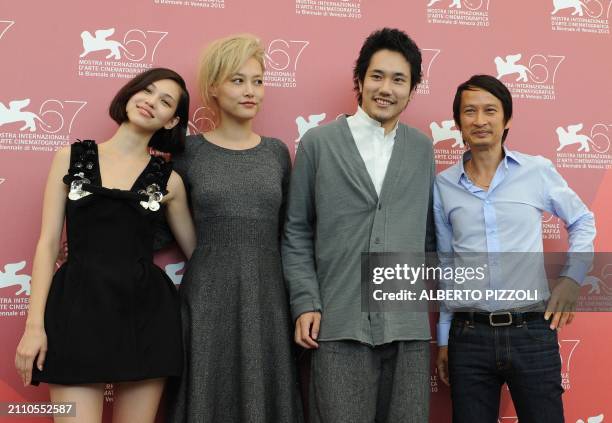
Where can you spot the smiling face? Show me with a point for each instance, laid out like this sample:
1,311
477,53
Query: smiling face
481,119
240,96
385,89
154,107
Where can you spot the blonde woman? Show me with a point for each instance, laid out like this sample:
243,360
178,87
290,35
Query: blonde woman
239,364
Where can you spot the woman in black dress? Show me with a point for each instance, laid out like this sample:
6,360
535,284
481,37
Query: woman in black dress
109,315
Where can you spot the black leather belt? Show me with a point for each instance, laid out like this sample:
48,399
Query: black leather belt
499,318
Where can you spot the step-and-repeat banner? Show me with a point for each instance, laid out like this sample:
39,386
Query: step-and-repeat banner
63,60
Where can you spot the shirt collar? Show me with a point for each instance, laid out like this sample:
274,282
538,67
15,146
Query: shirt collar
366,121
509,156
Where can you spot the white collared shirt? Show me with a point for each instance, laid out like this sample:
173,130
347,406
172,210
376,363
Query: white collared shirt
374,146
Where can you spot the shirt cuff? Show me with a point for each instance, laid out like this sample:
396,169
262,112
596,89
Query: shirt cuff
576,269
443,329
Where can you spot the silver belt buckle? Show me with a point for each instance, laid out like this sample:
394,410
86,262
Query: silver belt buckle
503,313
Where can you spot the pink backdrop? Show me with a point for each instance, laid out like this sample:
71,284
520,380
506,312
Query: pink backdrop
58,79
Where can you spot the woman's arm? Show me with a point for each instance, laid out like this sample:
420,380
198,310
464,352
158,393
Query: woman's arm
34,340
178,215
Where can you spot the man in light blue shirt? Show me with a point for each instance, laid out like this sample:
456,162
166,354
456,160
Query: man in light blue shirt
492,202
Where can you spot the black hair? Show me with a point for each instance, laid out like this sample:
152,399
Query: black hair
166,140
387,39
491,85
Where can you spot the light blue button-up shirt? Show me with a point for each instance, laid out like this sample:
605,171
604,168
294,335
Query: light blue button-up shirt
507,218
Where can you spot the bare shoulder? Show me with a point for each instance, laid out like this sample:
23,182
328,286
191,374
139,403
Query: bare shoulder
63,153
61,160
175,184
174,179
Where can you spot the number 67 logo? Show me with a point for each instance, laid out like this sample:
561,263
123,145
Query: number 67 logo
52,115
282,55
540,69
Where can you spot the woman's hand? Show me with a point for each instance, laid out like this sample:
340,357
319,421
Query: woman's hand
33,343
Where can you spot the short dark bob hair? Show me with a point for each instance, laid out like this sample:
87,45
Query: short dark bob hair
387,39
165,140
491,85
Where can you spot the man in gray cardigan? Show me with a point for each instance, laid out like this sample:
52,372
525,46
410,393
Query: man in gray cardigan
362,184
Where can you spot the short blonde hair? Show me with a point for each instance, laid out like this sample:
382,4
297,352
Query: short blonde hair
224,57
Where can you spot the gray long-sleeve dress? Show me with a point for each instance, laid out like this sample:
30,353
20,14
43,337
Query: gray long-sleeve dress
239,365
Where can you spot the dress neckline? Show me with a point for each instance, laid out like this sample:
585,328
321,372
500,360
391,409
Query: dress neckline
134,184
229,150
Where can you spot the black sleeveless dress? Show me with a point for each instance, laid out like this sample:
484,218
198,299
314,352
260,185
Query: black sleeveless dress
111,314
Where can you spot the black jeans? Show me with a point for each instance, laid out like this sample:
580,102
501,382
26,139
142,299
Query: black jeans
482,358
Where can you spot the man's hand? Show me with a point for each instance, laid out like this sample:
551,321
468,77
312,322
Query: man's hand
307,329
442,364
562,303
